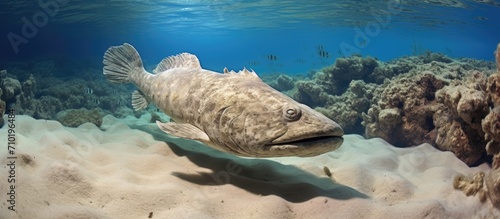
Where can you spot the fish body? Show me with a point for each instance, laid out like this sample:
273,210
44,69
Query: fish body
232,112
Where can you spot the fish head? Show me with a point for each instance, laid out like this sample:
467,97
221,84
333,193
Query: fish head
276,126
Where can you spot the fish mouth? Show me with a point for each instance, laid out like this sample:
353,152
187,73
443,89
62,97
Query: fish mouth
307,147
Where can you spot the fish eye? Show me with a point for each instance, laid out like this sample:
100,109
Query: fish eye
292,113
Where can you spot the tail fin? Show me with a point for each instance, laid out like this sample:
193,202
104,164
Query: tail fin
120,62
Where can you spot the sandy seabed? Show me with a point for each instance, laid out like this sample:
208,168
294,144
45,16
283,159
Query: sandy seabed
124,169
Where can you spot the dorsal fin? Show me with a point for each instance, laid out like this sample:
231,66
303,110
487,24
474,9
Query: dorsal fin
251,73
183,60
226,71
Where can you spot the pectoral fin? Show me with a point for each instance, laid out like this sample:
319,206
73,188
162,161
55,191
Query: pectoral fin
184,130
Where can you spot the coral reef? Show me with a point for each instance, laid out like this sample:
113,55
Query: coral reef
490,128
403,110
42,96
75,118
334,79
284,83
437,103
346,90
429,57
393,68
458,124
347,108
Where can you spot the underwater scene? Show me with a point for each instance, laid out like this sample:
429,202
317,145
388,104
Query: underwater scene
249,109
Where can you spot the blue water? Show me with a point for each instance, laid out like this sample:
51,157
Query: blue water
237,34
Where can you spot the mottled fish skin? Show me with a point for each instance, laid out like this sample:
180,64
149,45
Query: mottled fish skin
231,112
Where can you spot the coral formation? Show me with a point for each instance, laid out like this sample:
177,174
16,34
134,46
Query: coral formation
403,110
284,83
347,108
490,127
75,118
492,182
471,186
334,79
437,103
393,68
429,57
43,97
458,123
10,87
349,88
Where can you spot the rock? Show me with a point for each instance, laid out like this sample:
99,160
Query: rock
76,117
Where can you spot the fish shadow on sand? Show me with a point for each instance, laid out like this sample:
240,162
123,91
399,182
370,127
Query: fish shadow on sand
258,176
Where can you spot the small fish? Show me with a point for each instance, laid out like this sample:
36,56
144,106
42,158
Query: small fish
232,112
88,90
362,43
95,101
254,63
272,57
323,54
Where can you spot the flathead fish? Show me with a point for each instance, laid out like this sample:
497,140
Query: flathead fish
233,112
